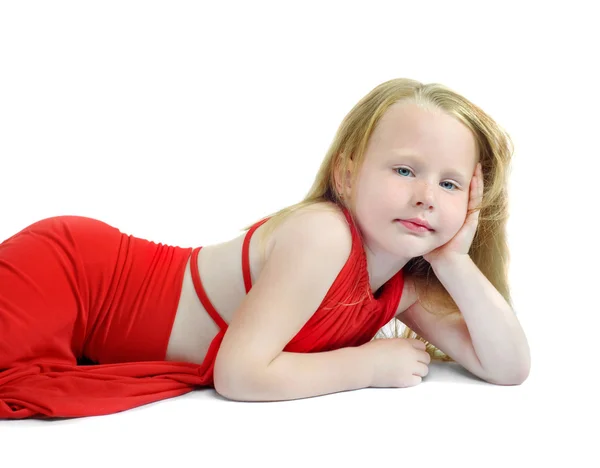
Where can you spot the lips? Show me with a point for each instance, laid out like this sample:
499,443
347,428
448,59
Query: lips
419,222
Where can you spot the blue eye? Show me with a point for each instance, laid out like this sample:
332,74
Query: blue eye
409,172
403,169
451,183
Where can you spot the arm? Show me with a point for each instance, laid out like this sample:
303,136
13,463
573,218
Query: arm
309,250
486,338
301,375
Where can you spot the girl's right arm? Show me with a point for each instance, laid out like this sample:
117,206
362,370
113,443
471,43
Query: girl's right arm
309,251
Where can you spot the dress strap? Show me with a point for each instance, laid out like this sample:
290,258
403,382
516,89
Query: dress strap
246,254
202,293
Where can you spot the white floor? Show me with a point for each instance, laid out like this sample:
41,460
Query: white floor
452,418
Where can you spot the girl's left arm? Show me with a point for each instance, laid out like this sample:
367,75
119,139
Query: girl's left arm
488,339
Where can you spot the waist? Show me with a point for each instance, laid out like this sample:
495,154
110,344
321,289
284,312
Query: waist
133,286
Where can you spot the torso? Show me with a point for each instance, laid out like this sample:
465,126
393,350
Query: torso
220,269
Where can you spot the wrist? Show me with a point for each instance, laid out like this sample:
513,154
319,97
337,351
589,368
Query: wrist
442,264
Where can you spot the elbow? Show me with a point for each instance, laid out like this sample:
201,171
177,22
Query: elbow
223,388
514,378
244,379
522,376
236,382
226,384
514,373
522,373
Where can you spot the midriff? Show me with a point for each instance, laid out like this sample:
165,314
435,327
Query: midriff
220,270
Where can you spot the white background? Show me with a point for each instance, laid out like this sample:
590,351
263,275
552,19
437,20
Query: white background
181,122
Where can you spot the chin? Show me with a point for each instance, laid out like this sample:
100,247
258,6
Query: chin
407,251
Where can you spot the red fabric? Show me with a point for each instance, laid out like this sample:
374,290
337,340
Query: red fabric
72,287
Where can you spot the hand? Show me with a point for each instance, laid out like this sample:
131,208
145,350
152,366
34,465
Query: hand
461,242
397,362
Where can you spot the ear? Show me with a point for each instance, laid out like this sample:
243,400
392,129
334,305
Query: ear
343,183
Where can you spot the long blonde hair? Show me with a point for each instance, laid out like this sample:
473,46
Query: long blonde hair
489,249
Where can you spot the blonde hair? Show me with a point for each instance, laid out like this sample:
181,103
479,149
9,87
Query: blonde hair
489,249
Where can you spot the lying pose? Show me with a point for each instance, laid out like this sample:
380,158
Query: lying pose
405,219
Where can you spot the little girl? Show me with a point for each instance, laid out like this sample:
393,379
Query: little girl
405,219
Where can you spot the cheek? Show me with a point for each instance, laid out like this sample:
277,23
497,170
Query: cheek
454,215
376,193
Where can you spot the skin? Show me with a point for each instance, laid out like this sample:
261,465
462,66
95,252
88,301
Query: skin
419,163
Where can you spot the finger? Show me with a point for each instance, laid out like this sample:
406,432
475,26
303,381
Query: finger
421,370
473,194
477,189
418,344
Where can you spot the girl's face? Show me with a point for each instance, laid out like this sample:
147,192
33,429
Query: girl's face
418,164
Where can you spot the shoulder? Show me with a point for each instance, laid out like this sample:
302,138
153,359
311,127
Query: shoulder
320,226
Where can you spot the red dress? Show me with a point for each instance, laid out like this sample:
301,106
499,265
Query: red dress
72,287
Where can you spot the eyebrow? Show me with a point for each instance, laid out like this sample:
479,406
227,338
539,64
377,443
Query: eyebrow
414,158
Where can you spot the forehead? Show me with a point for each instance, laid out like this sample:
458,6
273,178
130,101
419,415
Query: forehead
410,129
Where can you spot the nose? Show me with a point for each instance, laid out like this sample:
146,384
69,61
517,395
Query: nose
423,195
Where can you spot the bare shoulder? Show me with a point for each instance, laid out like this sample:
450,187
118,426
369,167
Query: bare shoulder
321,223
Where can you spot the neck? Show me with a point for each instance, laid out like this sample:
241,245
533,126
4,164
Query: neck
381,267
